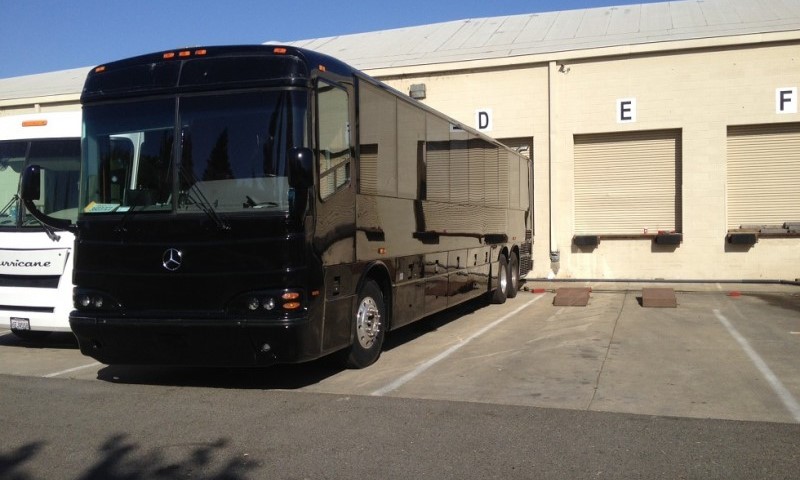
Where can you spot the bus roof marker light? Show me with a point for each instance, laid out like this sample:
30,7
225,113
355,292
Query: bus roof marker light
279,51
100,69
200,52
169,55
34,123
184,53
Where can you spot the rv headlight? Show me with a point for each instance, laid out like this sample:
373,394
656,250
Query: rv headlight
84,300
253,304
94,300
269,303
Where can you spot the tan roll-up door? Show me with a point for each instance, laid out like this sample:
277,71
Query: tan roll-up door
628,183
763,175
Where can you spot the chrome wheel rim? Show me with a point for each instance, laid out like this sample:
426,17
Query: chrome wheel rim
503,278
368,322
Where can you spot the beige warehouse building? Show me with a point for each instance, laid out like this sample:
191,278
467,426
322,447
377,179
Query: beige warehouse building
665,136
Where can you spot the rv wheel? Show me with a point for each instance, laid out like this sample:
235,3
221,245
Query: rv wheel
369,327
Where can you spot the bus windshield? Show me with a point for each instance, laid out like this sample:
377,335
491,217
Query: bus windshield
226,152
60,160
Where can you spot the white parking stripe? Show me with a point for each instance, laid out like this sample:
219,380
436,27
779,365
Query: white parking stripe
433,361
70,370
785,395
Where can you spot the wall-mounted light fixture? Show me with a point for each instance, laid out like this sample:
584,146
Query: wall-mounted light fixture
417,91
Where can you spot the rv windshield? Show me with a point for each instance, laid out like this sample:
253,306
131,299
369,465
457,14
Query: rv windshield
230,149
60,162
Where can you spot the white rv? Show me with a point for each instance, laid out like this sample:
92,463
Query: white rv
35,260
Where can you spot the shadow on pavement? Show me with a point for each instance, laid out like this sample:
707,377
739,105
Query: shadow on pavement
281,377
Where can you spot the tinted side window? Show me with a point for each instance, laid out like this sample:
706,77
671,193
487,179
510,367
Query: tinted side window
334,139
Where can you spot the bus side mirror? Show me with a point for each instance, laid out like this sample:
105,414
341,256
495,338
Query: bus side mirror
30,190
301,168
31,181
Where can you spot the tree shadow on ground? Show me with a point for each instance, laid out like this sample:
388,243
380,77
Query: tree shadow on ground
121,459
781,300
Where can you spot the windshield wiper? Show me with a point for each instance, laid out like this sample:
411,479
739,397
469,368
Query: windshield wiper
124,220
14,198
201,201
51,234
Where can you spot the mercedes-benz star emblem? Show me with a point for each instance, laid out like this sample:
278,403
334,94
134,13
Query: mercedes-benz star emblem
172,259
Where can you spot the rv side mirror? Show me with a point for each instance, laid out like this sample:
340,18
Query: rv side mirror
301,168
31,181
31,190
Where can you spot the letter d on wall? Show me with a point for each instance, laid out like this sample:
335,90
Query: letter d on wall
483,119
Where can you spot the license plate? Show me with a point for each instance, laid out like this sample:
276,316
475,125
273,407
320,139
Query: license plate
20,323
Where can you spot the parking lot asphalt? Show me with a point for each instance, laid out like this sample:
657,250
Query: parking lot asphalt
527,389
727,351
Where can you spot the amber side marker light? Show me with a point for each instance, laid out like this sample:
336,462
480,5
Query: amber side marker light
184,53
34,123
279,50
100,69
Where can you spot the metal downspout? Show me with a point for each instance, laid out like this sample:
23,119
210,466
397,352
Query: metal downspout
554,253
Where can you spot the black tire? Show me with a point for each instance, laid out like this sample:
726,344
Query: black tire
513,276
500,292
31,335
369,327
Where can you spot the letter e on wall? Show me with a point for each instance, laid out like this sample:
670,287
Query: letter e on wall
786,100
626,110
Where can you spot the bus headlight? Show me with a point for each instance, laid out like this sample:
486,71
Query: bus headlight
276,302
253,304
93,300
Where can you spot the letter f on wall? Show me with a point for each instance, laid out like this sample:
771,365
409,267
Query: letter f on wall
786,100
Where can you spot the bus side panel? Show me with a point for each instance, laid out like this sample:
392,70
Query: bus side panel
409,297
339,298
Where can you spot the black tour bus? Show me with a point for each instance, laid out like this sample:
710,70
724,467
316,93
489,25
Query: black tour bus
251,205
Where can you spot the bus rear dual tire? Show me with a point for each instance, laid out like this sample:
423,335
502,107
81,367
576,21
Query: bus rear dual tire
507,279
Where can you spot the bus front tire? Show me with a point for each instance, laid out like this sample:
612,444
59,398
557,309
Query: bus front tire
369,327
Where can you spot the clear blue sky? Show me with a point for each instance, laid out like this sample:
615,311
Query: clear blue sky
46,35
